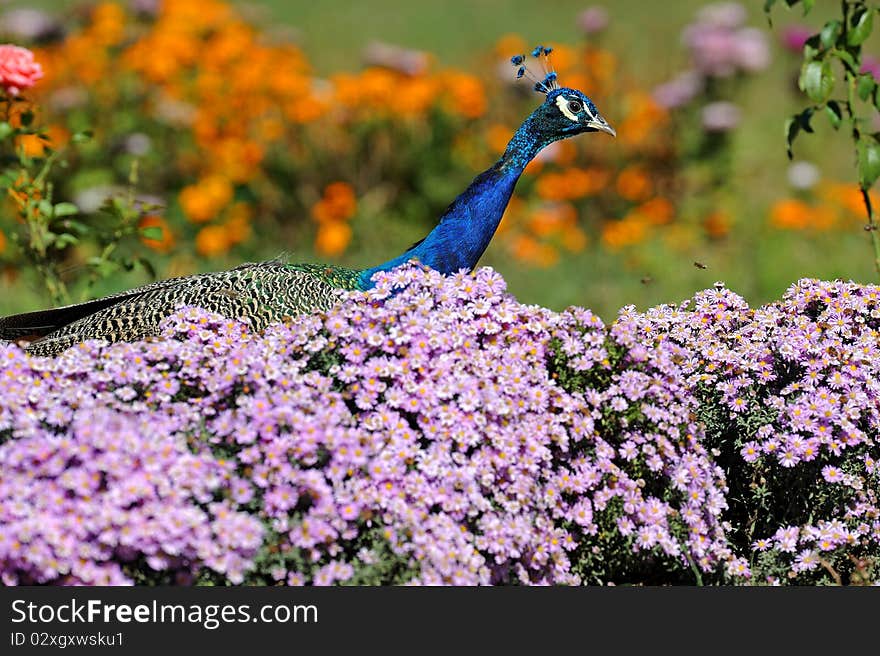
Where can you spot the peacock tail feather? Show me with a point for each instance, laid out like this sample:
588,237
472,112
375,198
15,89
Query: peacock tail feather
264,292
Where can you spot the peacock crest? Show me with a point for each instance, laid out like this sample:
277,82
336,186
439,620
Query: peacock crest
547,82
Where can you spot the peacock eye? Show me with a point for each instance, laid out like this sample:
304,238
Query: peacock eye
574,106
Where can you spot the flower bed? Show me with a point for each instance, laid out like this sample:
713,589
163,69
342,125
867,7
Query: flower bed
436,431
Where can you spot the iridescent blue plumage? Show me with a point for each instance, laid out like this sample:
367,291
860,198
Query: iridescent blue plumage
466,228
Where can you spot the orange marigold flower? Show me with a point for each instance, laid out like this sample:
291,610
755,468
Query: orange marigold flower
634,183
509,45
848,196
547,256
165,242
309,107
333,238
619,234
657,210
32,145
22,191
35,145
212,240
574,239
467,95
643,117
513,214
108,24
601,68
342,198
534,167
717,224
270,128
415,95
823,217
551,186
338,203
238,159
526,248
2,241
563,58
377,87
204,200
498,136
58,135
238,230
238,223
322,212
586,182
790,214
544,222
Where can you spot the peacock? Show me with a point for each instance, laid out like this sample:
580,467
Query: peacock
266,292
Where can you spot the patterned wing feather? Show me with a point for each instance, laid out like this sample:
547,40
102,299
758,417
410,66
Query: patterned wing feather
263,293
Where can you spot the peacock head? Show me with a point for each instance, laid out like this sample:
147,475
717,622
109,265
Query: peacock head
565,112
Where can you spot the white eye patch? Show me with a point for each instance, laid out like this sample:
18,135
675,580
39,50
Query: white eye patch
562,104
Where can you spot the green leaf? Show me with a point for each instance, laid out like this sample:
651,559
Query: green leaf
794,125
152,232
5,130
82,137
861,24
869,161
768,5
65,239
835,113
865,86
78,226
812,48
66,209
828,35
45,208
848,60
817,80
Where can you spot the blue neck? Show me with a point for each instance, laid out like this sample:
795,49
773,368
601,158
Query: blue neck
464,231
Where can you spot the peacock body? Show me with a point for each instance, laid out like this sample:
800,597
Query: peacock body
262,292
267,292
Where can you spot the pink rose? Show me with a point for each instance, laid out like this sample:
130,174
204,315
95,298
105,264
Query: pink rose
18,69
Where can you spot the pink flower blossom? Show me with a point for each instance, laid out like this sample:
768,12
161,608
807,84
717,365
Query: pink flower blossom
795,36
593,20
18,69
720,117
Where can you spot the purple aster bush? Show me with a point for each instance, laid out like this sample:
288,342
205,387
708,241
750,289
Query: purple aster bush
431,431
789,400
436,431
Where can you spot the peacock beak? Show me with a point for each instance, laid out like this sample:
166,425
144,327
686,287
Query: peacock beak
601,125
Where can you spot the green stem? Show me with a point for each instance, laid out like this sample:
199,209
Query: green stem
871,227
695,569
